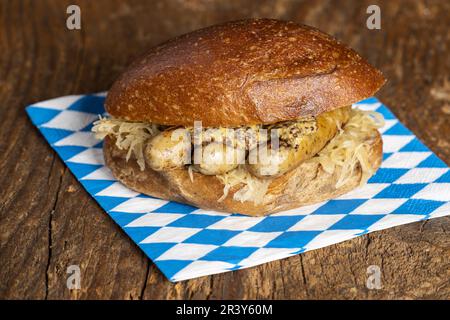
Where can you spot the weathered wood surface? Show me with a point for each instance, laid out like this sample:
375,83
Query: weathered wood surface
47,221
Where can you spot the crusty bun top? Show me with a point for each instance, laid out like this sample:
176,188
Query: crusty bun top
240,73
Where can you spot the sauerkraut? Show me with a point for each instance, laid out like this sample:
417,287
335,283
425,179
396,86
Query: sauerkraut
253,189
129,135
349,148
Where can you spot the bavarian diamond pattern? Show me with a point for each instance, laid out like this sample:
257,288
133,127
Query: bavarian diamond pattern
186,242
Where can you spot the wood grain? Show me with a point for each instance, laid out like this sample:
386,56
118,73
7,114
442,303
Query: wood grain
48,222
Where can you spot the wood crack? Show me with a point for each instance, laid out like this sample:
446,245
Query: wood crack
144,286
282,278
49,235
211,286
422,226
368,242
305,282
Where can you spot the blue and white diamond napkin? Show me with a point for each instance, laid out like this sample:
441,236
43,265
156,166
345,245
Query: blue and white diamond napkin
186,242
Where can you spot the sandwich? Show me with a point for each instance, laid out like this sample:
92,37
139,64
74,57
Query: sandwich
251,117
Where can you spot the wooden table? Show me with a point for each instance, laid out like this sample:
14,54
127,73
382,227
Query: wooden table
48,221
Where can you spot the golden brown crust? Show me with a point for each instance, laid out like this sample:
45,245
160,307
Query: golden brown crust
240,73
307,184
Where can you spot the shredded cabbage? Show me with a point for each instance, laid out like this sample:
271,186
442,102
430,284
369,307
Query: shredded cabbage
254,189
129,135
349,148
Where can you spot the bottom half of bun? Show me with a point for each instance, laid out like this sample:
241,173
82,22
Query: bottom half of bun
305,185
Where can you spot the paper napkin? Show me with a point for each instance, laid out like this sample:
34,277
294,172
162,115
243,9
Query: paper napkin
186,242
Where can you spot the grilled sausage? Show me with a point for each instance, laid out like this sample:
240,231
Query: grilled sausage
169,149
219,158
